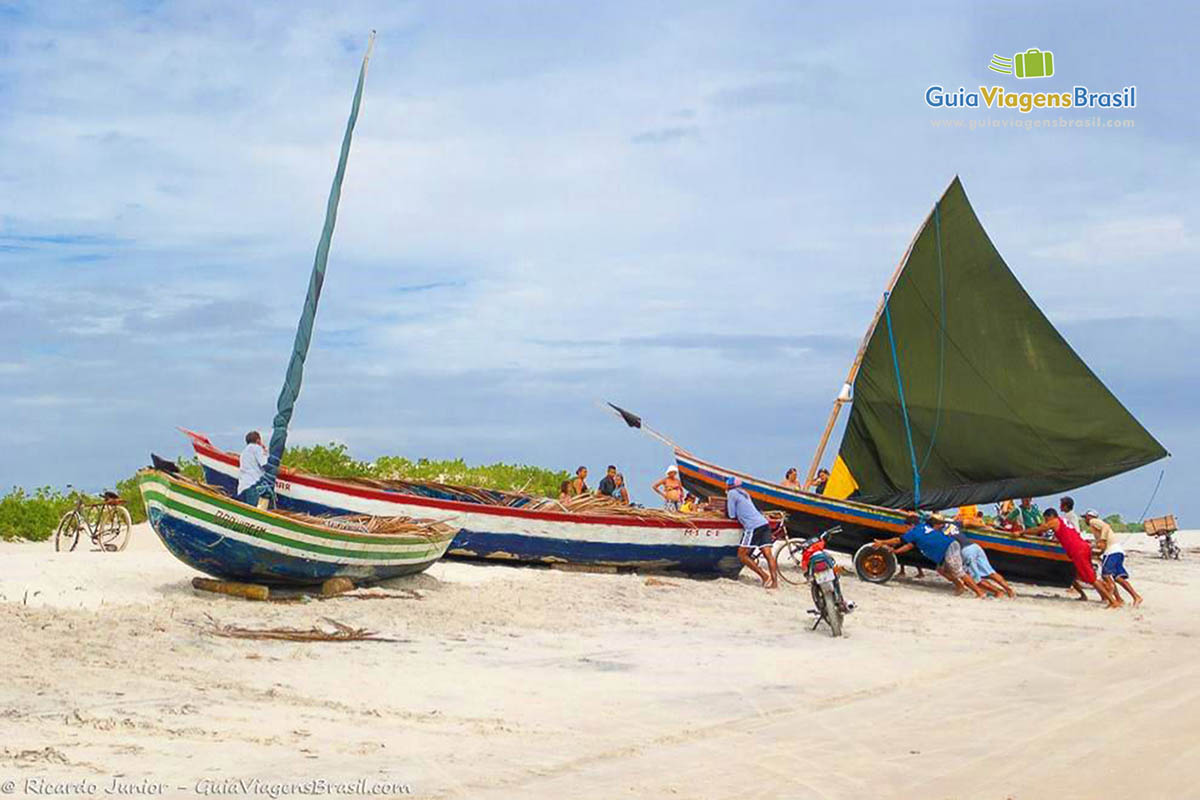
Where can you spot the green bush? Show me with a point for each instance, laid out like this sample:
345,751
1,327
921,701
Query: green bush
33,516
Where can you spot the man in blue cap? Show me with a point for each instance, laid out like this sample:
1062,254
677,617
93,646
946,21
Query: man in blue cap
756,532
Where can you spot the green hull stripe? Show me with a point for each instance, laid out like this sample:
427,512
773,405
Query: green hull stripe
150,495
269,519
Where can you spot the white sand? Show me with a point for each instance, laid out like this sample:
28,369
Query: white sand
516,682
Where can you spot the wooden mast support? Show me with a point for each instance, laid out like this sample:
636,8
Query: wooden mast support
845,395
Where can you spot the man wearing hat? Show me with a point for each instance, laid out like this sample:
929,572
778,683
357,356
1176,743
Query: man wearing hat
756,532
1112,558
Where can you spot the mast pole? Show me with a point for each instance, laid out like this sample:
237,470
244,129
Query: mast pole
845,395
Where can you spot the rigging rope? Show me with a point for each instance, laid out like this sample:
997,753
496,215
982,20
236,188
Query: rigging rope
937,421
1152,496
912,453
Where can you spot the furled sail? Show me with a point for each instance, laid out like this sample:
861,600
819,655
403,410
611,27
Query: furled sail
295,371
967,394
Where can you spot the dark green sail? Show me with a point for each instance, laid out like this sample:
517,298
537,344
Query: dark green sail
295,370
995,404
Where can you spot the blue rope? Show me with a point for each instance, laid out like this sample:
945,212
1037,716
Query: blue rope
912,453
937,422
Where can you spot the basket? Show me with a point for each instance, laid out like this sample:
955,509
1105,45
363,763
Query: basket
1157,526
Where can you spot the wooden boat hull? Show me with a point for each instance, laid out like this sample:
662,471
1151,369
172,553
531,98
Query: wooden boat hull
234,541
504,533
1030,560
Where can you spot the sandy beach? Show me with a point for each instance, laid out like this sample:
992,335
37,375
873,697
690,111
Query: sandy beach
524,682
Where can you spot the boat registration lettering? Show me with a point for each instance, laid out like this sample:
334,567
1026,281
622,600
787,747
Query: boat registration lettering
237,524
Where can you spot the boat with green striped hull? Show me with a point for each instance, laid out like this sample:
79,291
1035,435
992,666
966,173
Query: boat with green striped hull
219,536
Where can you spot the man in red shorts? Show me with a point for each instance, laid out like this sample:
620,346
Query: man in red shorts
1079,551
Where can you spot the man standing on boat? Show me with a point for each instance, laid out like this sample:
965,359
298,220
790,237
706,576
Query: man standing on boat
251,469
670,489
756,532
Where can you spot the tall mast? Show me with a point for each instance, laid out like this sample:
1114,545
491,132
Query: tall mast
295,370
846,394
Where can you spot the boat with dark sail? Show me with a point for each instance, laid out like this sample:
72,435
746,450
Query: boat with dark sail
210,530
961,393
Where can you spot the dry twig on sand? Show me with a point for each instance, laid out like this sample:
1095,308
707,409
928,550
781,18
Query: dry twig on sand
340,633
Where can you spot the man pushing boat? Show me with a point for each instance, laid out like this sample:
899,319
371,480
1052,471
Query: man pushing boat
944,552
1079,551
756,532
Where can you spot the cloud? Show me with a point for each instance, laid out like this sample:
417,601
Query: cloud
505,256
1132,239
674,133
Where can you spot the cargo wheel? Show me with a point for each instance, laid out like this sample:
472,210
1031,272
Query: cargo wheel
875,564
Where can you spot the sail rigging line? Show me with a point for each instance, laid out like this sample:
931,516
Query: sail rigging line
912,454
1153,494
937,421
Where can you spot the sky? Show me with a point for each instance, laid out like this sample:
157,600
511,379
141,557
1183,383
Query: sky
689,209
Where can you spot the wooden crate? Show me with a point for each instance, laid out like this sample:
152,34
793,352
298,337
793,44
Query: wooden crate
1159,525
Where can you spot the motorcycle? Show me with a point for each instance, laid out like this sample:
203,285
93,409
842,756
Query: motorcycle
821,571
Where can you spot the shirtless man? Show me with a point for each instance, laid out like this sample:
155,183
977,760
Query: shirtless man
670,489
1078,551
1112,556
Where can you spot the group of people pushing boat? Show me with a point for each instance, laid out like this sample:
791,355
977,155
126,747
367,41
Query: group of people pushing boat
1099,563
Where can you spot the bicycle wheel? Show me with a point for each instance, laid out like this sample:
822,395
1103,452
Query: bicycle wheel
67,535
787,558
115,525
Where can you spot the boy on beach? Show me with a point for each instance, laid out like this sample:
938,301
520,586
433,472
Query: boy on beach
1112,558
1078,551
938,548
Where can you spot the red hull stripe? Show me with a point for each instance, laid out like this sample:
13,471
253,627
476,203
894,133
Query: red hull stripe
340,487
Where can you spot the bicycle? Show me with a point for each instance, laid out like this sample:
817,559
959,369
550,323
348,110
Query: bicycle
107,524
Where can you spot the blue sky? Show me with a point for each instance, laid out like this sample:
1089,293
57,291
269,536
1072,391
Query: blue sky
686,208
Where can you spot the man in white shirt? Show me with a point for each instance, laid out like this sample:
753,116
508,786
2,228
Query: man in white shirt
251,468
1112,560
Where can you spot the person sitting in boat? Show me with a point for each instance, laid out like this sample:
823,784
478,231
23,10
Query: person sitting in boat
1112,556
619,493
817,484
1078,551
1031,515
1066,510
609,482
564,491
670,489
1008,517
691,504
944,552
756,532
790,479
578,484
